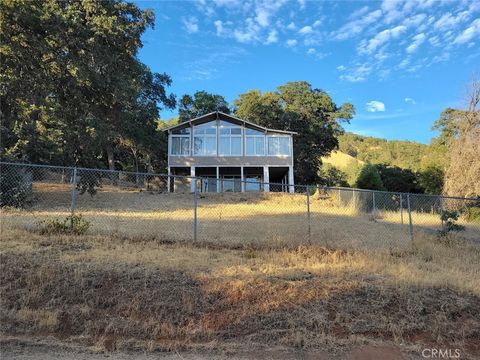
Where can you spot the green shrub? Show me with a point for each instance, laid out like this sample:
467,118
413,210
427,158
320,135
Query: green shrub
449,221
70,225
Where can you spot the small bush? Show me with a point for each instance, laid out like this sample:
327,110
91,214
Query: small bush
449,221
70,225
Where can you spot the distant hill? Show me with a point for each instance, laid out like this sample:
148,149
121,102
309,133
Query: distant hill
404,154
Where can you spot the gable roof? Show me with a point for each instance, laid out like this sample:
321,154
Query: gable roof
216,116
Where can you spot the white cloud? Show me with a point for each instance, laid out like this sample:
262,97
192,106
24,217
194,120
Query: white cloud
359,12
417,41
191,24
317,23
355,27
311,51
380,39
219,26
301,3
306,30
291,26
341,68
469,33
359,73
262,17
291,42
414,20
448,21
272,37
410,101
375,106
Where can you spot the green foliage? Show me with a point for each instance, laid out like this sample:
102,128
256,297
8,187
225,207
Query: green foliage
72,86
431,180
398,180
449,221
369,178
296,106
332,176
447,125
15,186
70,225
472,214
200,104
403,154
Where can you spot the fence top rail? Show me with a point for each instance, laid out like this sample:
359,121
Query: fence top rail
296,186
401,193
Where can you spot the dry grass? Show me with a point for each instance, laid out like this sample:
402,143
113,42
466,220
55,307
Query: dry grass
255,218
117,293
341,160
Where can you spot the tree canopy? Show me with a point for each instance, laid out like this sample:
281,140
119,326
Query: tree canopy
296,106
201,103
72,87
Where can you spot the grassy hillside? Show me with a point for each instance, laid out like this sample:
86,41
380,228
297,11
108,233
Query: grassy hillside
404,154
341,160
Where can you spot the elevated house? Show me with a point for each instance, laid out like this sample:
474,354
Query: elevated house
225,153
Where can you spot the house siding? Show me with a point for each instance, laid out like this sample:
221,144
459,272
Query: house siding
187,161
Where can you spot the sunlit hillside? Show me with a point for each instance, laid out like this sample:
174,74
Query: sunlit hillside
341,160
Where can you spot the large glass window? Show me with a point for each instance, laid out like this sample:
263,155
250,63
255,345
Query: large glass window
180,142
230,139
279,145
205,139
254,142
180,145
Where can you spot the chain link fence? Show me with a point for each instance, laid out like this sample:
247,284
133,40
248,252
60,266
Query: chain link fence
140,205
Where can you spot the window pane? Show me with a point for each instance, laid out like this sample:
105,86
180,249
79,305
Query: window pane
228,184
284,145
185,141
252,184
236,145
224,145
250,145
211,131
260,146
253,132
272,146
236,131
184,131
197,145
175,146
224,131
210,145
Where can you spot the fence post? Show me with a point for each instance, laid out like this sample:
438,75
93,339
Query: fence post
308,216
195,200
401,208
441,210
373,200
73,203
410,217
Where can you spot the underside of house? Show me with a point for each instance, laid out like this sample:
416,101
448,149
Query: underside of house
230,178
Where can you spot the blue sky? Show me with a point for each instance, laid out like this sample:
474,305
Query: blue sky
399,62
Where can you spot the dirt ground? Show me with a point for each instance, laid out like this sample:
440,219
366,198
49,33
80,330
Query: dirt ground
46,350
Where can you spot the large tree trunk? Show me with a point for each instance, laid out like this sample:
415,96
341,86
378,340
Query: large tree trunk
111,165
110,158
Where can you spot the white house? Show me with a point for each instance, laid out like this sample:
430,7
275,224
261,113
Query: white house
230,154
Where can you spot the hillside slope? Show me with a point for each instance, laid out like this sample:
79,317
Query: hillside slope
404,154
